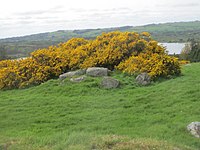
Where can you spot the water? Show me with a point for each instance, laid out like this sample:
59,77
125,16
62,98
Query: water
173,48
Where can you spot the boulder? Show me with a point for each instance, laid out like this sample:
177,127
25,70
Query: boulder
194,129
97,71
78,79
108,83
72,73
143,79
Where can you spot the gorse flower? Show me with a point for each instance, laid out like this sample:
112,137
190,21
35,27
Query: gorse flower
129,52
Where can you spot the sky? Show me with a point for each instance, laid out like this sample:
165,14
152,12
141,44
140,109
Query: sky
25,17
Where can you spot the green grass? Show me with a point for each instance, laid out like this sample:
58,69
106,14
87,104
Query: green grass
63,115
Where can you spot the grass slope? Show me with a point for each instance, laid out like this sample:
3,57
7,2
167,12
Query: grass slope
76,116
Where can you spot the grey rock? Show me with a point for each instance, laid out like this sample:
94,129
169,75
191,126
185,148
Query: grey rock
72,73
97,71
194,129
143,79
108,83
78,79
188,65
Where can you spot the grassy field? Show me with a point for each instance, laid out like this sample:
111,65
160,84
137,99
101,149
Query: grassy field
78,116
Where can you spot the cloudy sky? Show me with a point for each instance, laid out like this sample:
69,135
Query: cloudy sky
23,17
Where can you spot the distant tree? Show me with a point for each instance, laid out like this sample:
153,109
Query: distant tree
185,51
194,55
3,53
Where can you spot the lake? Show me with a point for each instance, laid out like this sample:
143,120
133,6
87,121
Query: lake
173,47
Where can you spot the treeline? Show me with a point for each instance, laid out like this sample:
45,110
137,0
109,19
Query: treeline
191,51
3,53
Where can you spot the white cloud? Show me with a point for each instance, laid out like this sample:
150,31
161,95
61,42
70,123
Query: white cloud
22,17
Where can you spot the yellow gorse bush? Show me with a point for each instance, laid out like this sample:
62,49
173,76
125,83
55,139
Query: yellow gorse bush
153,60
129,52
154,64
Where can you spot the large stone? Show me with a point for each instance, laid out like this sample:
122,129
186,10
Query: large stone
143,79
72,73
108,83
194,129
97,72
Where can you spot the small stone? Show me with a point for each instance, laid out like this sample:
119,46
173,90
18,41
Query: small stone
108,83
188,65
79,79
194,129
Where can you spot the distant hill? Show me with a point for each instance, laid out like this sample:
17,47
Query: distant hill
166,32
172,32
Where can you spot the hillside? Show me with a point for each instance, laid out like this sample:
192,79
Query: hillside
166,32
172,32
67,115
